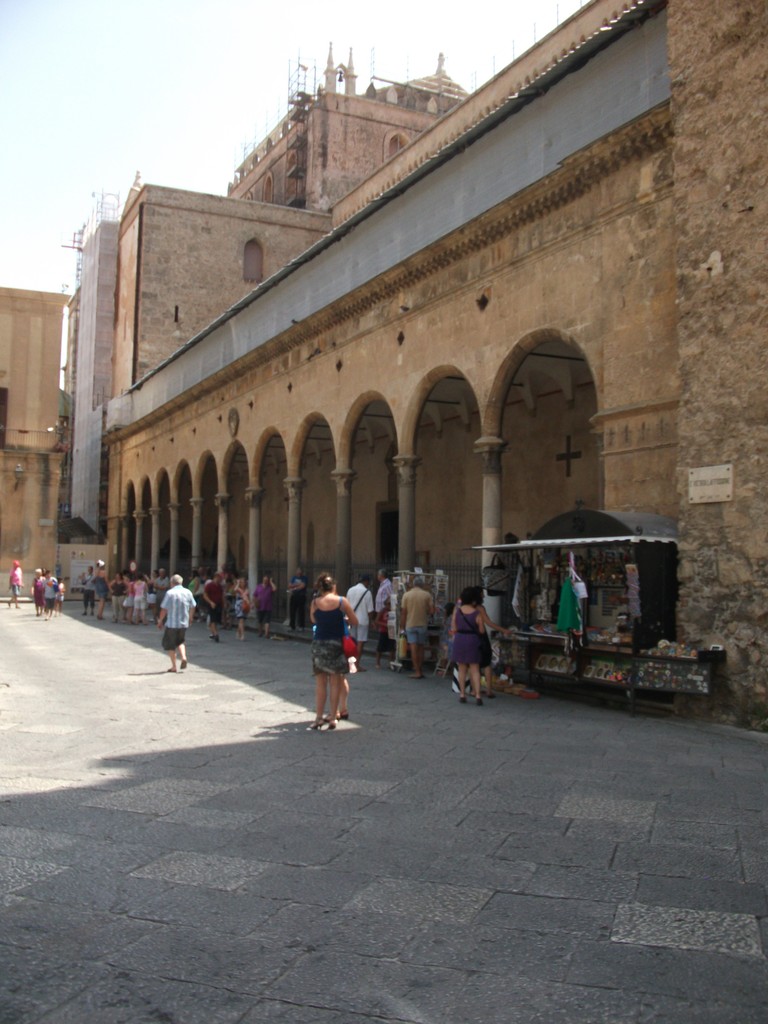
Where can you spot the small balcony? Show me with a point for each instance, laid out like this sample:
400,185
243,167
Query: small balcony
49,440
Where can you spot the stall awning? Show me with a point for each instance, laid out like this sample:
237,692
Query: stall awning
593,527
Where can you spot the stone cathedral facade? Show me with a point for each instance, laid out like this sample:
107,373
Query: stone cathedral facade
550,292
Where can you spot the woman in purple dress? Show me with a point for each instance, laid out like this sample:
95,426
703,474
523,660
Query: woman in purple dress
467,627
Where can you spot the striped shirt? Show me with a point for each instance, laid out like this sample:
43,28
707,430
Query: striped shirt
177,604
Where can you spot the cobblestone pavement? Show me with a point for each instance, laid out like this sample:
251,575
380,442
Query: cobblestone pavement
182,849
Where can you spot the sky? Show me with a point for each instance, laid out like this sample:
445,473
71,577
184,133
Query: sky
92,91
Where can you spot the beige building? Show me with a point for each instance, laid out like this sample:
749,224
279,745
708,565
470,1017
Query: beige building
543,300
31,448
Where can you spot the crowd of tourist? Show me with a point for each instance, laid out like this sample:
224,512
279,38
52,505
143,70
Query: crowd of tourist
341,625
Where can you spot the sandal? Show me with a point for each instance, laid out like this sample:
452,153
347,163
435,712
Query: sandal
318,723
462,700
343,715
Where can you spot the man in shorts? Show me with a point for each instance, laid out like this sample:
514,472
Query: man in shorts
361,599
213,596
415,609
176,610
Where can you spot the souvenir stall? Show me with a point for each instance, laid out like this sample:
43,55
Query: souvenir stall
437,584
595,594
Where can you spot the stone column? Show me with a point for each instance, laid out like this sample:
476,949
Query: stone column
490,449
197,531
122,556
222,543
138,554
154,553
343,478
406,489
294,485
253,496
173,554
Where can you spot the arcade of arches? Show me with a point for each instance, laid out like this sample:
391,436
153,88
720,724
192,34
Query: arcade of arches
381,489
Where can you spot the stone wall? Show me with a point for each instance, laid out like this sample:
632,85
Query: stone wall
719,68
181,265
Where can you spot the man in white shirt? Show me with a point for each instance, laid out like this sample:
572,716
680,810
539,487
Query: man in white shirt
176,612
361,600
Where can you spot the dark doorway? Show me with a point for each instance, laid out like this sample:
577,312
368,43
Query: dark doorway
389,525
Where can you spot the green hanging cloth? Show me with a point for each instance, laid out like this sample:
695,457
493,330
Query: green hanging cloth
569,613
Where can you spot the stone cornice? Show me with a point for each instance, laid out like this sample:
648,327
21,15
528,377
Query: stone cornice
577,176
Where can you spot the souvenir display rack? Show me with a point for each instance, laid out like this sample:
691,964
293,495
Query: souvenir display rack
628,563
437,583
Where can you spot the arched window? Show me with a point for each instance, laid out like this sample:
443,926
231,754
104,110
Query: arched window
268,189
253,261
396,143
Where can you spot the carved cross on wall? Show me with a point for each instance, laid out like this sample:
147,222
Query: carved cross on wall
567,456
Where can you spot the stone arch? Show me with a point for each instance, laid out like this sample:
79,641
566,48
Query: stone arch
303,434
542,404
444,425
355,414
494,408
203,461
269,470
269,443
181,494
416,404
162,502
235,471
207,484
314,455
367,448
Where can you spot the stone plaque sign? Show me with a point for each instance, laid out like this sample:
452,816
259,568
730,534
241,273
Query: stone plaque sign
710,483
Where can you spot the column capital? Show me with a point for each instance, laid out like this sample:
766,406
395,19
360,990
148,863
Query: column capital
490,449
173,508
197,504
344,479
155,512
139,514
221,500
406,466
253,496
294,485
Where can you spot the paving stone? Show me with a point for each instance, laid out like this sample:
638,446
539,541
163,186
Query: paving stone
703,894
582,883
422,899
534,954
595,853
127,997
19,873
689,860
211,861
32,985
682,928
240,964
518,1000
684,974
605,808
215,872
160,796
548,914
711,834
62,933
382,989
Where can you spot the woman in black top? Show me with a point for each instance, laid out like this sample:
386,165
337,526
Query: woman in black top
329,663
